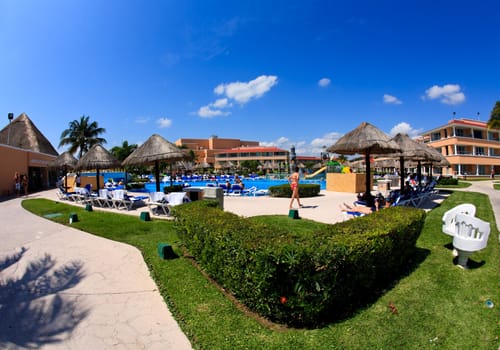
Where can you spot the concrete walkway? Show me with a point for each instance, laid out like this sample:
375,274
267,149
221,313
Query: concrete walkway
61,288
486,187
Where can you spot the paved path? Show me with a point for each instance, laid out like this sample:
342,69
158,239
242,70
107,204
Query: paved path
61,288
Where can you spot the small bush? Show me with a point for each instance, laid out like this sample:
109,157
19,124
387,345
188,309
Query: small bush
173,188
447,181
135,186
305,190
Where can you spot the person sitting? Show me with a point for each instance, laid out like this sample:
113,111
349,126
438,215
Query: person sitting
238,181
380,203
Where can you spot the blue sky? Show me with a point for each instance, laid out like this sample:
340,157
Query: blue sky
280,72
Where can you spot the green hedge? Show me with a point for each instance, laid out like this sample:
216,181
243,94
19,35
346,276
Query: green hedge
305,190
135,186
446,180
296,280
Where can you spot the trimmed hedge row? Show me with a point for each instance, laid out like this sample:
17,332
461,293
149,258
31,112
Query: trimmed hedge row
305,190
446,181
296,280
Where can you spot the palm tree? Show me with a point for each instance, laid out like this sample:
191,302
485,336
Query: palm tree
494,122
82,135
124,151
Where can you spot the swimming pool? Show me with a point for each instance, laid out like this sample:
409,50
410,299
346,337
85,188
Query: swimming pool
258,182
261,184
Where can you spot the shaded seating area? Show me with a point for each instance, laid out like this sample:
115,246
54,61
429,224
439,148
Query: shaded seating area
415,197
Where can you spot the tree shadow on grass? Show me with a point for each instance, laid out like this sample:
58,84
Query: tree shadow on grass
33,310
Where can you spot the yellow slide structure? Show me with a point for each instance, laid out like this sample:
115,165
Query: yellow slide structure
317,172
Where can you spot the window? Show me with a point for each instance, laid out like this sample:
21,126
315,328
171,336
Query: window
493,136
459,132
461,150
435,136
481,170
480,151
478,134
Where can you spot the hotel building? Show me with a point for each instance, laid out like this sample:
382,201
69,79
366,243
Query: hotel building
220,153
471,148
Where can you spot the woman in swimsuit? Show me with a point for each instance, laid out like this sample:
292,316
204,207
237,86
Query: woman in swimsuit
294,185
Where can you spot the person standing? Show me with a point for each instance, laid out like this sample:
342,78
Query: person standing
294,185
24,184
17,183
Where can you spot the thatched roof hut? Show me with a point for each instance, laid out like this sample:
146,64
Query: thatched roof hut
22,133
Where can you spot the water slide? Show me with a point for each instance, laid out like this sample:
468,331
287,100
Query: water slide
316,173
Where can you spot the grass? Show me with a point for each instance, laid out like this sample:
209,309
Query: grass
438,305
496,185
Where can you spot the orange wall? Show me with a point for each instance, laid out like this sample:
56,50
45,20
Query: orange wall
15,159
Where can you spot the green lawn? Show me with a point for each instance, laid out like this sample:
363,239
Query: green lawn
438,305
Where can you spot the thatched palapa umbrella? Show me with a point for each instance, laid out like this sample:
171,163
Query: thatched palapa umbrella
97,158
64,160
203,165
154,150
365,139
411,150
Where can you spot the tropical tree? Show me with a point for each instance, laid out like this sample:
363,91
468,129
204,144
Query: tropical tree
82,135
123,151
494,122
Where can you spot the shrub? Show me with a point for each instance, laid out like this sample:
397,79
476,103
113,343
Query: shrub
173,188
305,190
301,280
135,186
447,180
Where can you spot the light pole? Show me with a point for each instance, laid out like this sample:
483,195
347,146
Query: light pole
10,116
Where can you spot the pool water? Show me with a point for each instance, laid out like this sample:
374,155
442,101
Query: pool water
260,184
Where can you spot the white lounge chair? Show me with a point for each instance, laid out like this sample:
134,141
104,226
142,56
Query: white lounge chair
121,200
103,199
158,203
471,235
162,203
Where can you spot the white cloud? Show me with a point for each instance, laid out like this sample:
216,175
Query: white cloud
164,122
240,92
391,99
221,103
324,82
243,92
313,148
142,120
405,128
209,112
448,94
215,109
